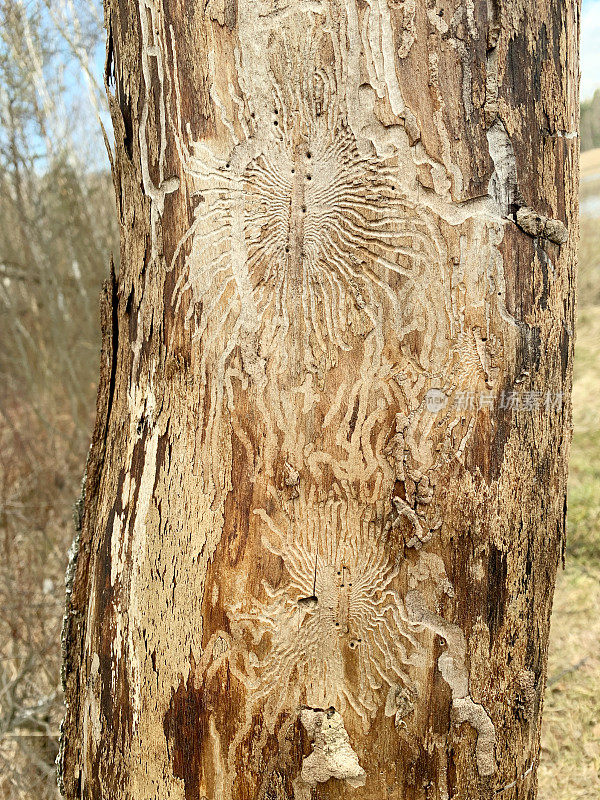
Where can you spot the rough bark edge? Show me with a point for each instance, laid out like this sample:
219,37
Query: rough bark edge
85,513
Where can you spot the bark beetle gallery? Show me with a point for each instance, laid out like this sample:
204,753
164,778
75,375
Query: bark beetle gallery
306,567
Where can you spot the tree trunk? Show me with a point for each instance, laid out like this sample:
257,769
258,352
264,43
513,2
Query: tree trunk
325,498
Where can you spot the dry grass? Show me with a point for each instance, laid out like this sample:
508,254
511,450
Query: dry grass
570,766
590,197
590,163
37,483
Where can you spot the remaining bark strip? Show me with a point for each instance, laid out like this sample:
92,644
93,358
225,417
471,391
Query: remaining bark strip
324,503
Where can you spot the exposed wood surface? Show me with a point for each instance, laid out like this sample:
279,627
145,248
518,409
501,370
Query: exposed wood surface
324,503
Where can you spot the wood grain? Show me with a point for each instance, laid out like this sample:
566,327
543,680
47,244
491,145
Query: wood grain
325,499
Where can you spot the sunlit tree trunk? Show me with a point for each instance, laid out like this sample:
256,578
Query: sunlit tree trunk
324,503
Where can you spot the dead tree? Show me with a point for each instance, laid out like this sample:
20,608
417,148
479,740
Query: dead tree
324,503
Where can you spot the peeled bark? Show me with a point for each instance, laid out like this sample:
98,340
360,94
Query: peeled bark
324,503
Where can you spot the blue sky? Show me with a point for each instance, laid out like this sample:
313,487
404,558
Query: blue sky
590,48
